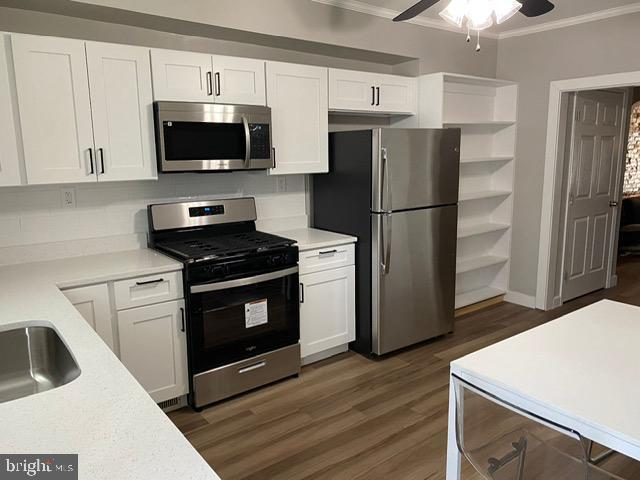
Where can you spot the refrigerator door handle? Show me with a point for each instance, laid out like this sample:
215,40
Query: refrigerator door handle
386,181
385,243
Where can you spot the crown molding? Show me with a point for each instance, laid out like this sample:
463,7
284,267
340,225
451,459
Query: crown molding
571,21
362,7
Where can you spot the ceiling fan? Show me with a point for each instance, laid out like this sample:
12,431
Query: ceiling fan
478,15
530,8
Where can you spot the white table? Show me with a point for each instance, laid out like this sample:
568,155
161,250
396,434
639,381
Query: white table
581,371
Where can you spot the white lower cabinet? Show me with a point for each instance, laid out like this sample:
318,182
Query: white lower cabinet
93,303
153,347
327,303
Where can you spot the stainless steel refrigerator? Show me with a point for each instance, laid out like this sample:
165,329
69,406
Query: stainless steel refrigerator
397,191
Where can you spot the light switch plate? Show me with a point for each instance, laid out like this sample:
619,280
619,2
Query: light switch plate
282,183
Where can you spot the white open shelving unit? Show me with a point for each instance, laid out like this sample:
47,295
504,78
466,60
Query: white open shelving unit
486,112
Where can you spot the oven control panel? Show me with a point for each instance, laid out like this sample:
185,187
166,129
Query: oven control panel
206,211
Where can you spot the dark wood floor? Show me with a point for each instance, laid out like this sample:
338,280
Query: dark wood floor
351,417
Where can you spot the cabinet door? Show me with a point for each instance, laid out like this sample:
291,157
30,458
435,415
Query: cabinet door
239,80
9,156
397,94
93,304
352,91
55,112
122,111
181,76
153,348
327,310
297,95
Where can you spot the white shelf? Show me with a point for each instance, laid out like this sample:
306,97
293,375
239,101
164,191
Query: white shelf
479,229
464,265
480,194
474,296
472,80
483,123
470,160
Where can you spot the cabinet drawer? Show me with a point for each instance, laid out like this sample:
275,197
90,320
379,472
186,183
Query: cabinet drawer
139,291
326,258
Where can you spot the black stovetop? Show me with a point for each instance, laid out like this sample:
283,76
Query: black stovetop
204,245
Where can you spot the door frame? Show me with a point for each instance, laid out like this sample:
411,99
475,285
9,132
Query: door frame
547,296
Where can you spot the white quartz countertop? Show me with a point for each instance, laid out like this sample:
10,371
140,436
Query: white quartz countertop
312,238
104,415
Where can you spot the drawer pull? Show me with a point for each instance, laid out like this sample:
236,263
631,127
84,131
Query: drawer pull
328,252
255,366
150,282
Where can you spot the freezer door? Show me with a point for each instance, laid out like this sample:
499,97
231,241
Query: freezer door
414,168
413,276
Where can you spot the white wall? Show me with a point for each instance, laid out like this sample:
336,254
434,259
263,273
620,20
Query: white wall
112,216
606,46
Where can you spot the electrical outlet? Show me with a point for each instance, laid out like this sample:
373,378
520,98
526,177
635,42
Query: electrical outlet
282,183
68,197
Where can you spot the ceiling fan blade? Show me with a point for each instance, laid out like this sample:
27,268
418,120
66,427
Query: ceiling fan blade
417,9
535,8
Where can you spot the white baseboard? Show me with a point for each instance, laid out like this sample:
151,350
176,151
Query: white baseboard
518,298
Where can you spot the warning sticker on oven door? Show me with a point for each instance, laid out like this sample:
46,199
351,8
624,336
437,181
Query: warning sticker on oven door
255,313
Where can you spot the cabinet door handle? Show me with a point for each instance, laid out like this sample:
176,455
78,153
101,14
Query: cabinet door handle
328,252
378,91
274,155
92,171
101,152
301,292
182,329
209,84
373,95
218,85
149,282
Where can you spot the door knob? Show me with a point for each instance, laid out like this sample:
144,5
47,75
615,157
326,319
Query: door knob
613,203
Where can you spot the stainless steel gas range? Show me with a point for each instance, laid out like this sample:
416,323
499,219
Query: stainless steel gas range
241,288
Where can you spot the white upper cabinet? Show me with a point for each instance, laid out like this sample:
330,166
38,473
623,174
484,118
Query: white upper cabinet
297,95
9,153
200,77
239,80
122,111
353,91
181,76
55,111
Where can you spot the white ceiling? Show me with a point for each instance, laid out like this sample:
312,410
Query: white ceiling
565,11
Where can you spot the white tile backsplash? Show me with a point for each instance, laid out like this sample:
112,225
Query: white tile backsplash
112,216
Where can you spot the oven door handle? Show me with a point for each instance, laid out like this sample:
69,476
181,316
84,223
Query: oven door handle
240,282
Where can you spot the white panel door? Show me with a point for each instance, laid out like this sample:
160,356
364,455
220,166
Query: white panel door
397,94
595,163
153,347
122,111
297,95
352,91
239,80
9,153
93,304
327,310
181,76
55,111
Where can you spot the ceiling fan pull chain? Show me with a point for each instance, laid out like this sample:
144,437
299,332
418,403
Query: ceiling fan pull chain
478,44
468,33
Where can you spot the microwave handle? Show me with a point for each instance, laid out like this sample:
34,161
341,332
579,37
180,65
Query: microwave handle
247,142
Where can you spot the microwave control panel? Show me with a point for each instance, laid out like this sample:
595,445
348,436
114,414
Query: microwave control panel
260,140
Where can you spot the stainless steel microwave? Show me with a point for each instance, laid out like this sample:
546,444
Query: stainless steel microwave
209,137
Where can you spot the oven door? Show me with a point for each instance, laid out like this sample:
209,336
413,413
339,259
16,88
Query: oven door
237,319
211,137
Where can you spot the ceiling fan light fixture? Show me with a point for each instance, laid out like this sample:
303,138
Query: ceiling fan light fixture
479,14
505,9
455,12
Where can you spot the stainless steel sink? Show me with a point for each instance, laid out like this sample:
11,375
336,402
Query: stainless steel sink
33,360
